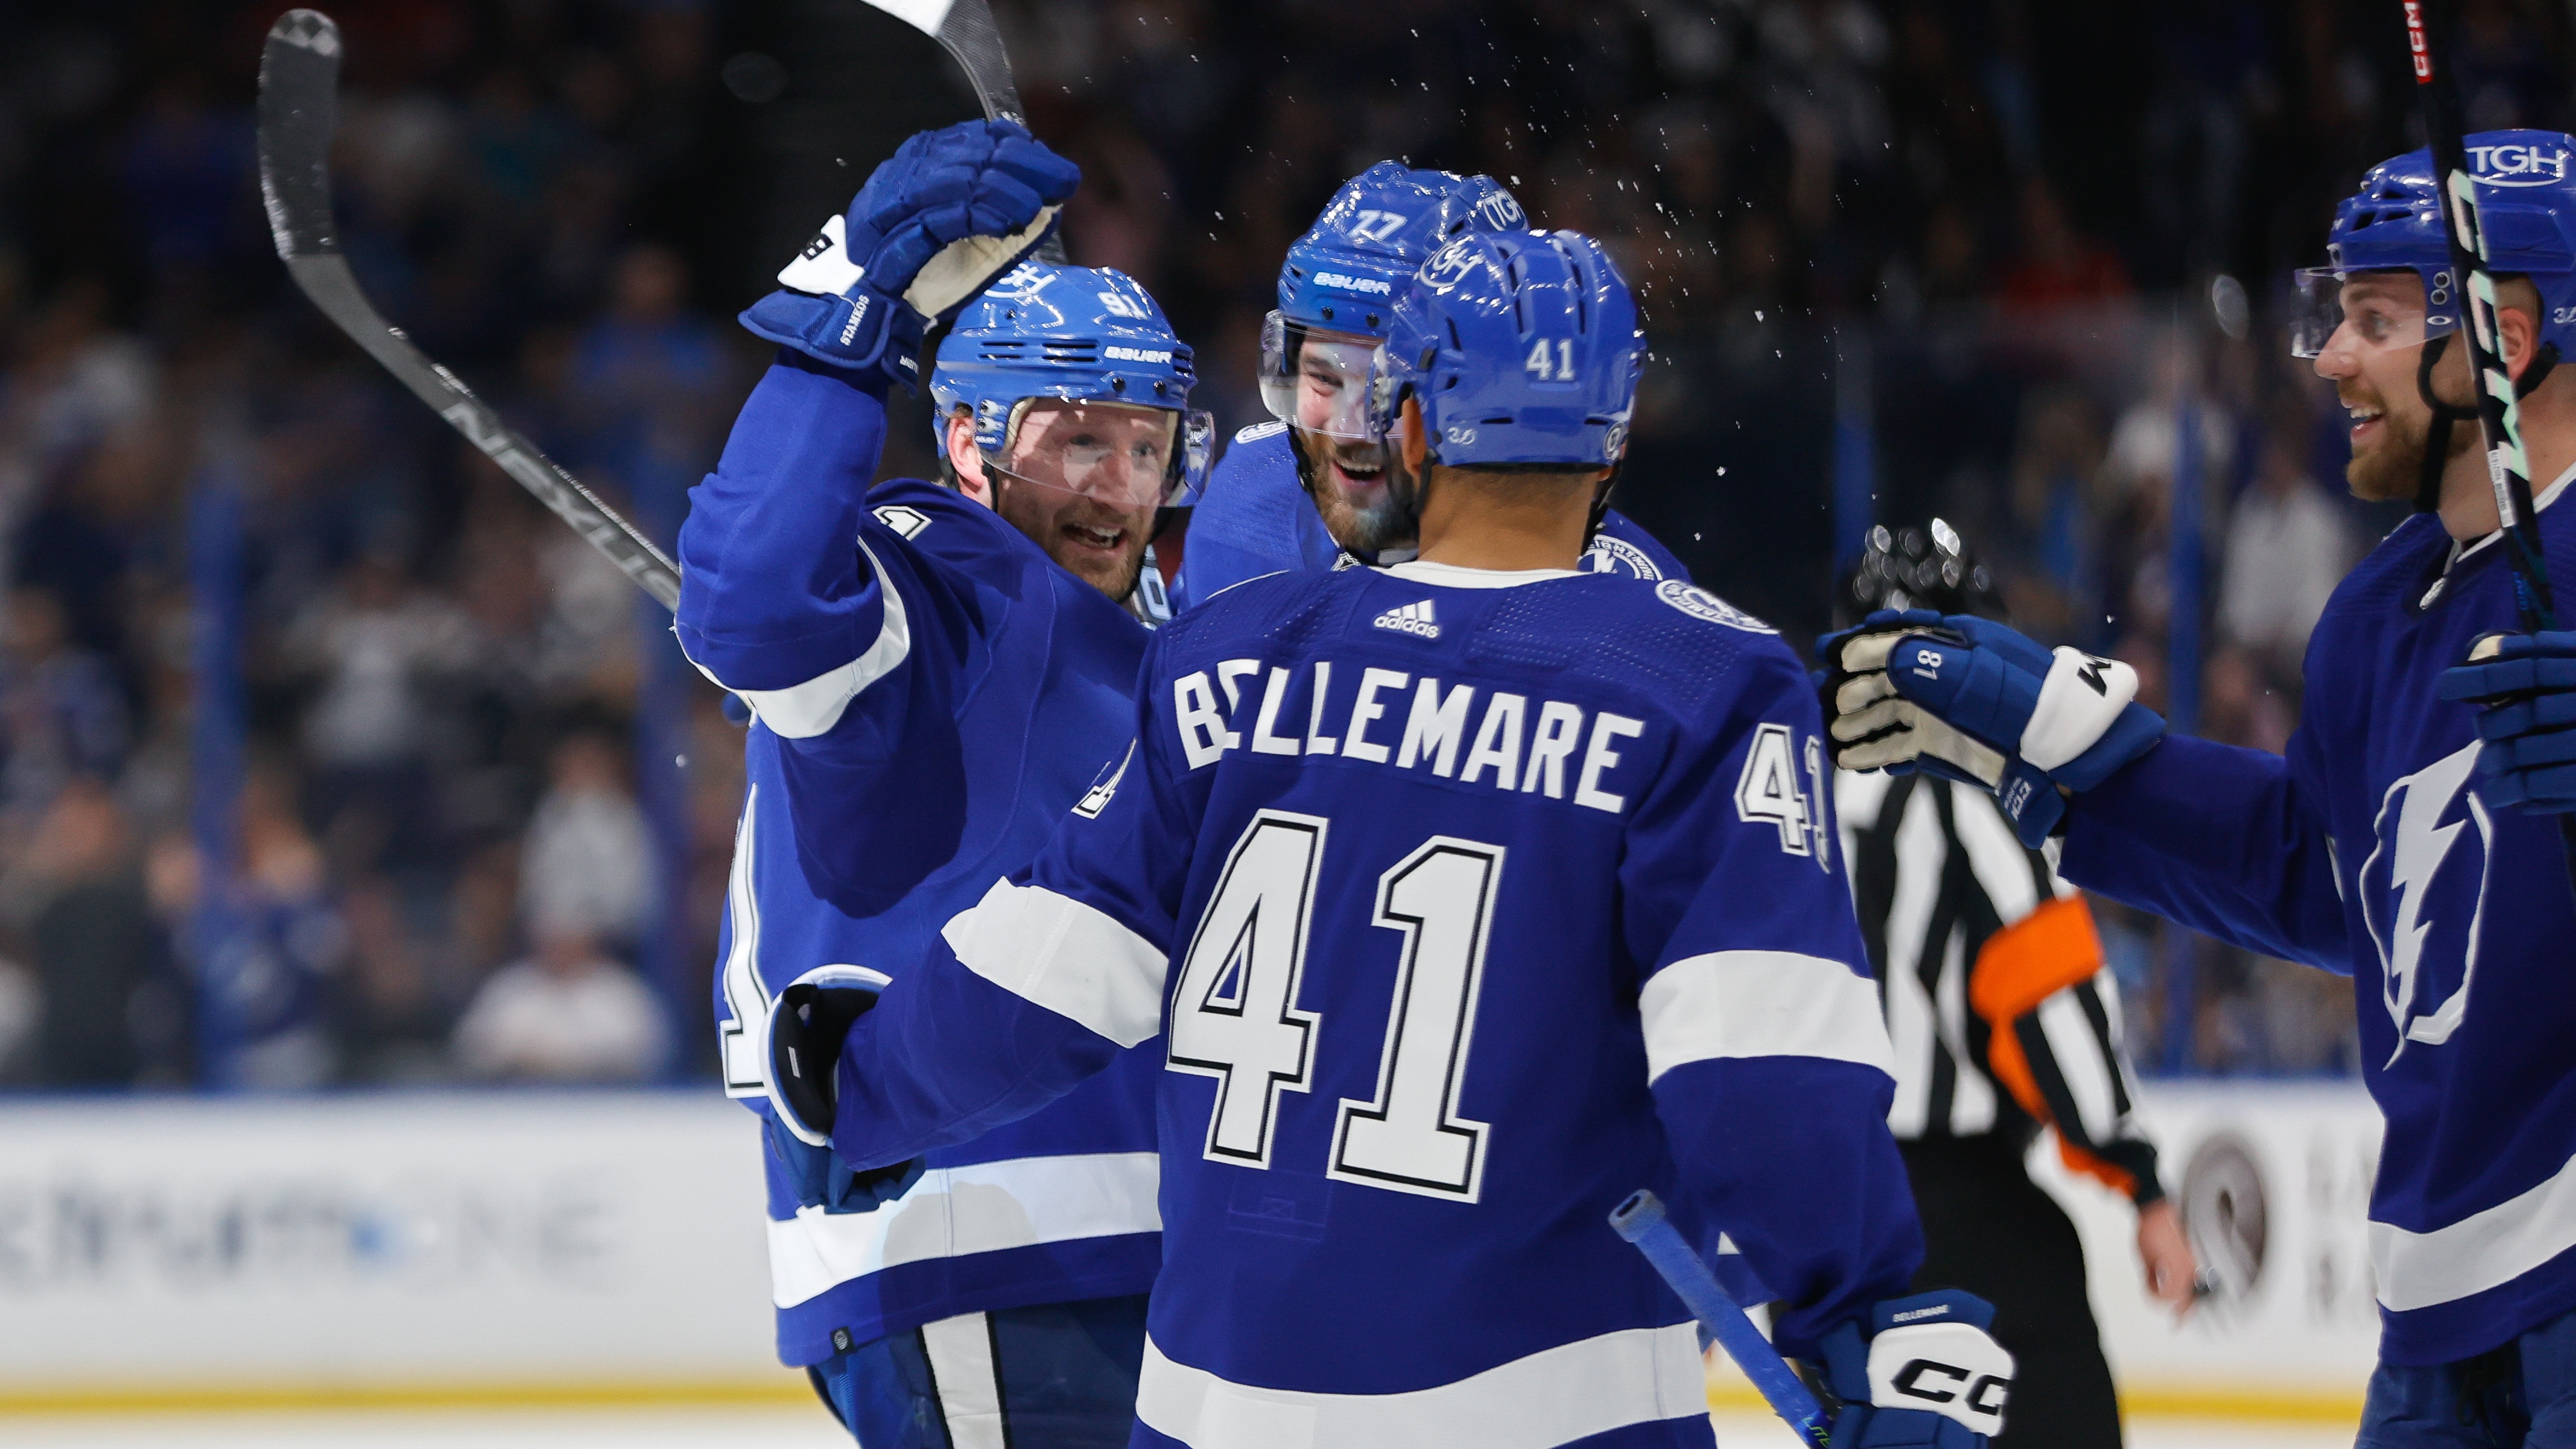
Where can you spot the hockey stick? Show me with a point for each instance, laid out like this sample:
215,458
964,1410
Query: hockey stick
966,29
2499,411
299,75
2499,415
1641,1221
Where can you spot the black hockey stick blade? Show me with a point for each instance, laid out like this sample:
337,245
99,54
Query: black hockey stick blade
966,29
299,77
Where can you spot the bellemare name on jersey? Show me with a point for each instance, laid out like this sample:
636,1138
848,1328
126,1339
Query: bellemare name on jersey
1517,743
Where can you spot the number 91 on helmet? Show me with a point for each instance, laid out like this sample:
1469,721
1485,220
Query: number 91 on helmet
1075,382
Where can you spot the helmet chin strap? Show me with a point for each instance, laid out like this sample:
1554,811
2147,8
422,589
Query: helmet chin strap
2437,435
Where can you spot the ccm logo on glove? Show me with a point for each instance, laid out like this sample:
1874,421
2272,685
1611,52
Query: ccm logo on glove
1952,1369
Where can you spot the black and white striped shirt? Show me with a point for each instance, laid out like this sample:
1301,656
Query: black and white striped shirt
2001,1011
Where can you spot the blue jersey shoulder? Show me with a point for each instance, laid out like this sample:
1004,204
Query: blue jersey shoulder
1253,517
1620,546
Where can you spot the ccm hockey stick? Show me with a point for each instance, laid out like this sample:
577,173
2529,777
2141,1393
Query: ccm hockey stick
1641,1221
2499,412
966,29
299,76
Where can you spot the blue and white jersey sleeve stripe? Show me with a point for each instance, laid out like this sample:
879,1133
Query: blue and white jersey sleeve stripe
775,602
1759,1016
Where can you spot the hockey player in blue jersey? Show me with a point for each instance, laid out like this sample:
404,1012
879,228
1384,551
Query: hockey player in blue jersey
1309,488
2407,838
1469,894
935,672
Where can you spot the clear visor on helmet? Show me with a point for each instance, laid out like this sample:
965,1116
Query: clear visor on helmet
1125,455
1315,380
2366,311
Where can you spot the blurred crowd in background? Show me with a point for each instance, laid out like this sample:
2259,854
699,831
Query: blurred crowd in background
461,812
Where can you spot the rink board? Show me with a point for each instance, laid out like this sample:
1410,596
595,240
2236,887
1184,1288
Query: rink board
492,1248
546,1248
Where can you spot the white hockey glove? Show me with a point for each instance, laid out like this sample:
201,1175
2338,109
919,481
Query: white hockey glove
1924,1375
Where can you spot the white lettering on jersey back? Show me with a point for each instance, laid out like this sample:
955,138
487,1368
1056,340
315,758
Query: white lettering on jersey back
1415,619
2424,895
1518,744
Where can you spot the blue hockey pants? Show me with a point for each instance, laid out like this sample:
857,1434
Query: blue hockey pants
1057,1376
2520,1396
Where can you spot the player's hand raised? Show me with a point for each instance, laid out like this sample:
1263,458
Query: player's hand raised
2525,688
951,210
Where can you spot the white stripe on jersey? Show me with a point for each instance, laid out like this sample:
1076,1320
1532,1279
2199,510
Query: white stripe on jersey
802,711
2481,1251
1067,956
1555,1396
1019,1202
1761,1004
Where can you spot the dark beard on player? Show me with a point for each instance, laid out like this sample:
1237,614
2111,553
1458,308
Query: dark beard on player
1396,521
1375,528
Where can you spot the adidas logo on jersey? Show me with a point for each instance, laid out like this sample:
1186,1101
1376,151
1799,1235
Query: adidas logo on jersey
1411,619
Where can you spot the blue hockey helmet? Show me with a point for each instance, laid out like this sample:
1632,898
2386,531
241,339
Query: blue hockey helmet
1343,275
1522,347
1074,334
2526,202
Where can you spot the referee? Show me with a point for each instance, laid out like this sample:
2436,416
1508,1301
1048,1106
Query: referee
2004,1022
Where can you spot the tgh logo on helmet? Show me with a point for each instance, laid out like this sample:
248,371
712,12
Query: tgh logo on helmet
2518,165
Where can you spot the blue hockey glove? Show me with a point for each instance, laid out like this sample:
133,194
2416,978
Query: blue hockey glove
1926,1373
2525,685
951,210
1971,699
802,1040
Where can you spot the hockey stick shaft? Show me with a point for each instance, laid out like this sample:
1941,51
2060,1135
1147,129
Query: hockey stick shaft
298,111
2499,416
2499,411
1642,1221
966,30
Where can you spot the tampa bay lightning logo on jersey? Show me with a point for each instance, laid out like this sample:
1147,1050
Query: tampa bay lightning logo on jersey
1699,603
2423,895
1619,557
1104,786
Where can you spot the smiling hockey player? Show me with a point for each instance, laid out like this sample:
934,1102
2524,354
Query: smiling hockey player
2406,839
1298,491
1471,893
936,672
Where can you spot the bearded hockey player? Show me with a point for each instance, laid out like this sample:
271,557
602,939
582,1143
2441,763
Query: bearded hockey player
1309,488
935,672
2407,839
1470,894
